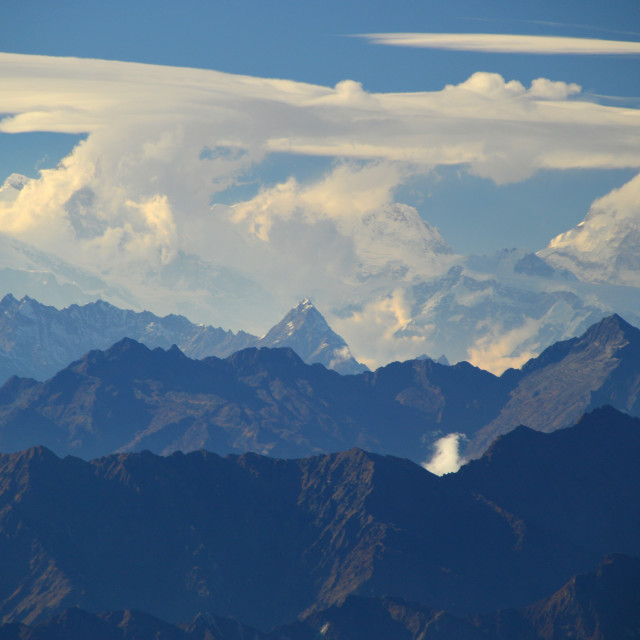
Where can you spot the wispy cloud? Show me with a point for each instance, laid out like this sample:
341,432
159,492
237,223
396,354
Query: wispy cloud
549,23
498,349
507,43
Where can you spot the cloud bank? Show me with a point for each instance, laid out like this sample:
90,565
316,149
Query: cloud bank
486,122
506,43
142,201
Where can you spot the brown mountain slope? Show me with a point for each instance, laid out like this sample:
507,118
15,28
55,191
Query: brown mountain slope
263,540
255,539
604,605
601,367
130,398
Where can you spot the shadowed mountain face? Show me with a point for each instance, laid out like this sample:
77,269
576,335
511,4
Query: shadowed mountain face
265,400
264,540
601,367
604,605
130,398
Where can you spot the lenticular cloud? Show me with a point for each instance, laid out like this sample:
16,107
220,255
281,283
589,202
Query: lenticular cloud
507,43
140,201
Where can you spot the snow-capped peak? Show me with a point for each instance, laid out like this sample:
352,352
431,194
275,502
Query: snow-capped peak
305,330
305,305
12,186
604,246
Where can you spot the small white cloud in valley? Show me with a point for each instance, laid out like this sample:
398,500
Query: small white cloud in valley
446,458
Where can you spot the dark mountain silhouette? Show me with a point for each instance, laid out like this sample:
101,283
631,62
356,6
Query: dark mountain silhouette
77,624
265,400
604,605
130,398
263,540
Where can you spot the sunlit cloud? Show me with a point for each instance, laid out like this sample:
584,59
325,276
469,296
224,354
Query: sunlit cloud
446,458
602,247
506,43
497,349
163,144
499,128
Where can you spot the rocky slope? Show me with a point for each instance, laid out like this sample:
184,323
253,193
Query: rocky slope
604,605
305,331
266,400
569,378
263,540
129,398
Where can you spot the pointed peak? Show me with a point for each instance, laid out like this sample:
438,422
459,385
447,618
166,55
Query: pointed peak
610,326
16,181
304,305
126,345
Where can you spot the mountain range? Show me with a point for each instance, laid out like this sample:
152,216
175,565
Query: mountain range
130,398
394,291
584,608
37,340
263,540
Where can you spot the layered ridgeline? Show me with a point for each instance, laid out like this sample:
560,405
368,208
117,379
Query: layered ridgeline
263,541
601,605
395,288
37,340
130,398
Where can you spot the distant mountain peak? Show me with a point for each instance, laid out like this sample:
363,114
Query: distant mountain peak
305,330
612,322
15,183
124,346
305,305
571,378
609,335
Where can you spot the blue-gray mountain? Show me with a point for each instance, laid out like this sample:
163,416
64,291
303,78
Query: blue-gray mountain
600,605
37,341
263,540
130,398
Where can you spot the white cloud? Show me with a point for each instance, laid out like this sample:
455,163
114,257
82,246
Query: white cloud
446,458
379,330
336,237
507,43
548,90
497,350
486,122
603,247
163,142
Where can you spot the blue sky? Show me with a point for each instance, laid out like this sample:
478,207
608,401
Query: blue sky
311,42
